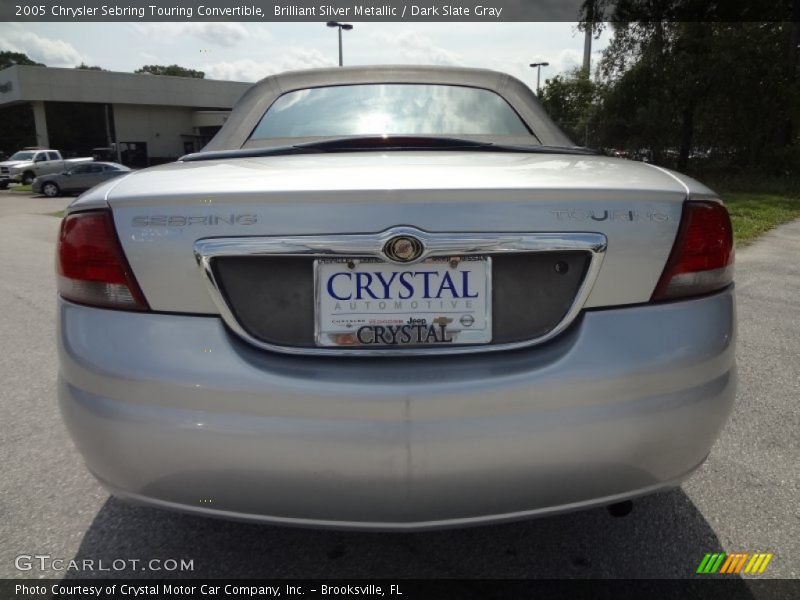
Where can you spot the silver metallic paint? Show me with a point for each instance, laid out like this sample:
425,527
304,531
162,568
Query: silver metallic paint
368,193
172,409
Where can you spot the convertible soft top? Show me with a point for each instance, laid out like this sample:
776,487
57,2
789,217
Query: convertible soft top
252,105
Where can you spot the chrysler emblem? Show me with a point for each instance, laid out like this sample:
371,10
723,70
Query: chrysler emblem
403,248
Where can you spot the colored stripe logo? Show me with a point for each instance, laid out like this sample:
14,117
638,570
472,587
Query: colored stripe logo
739,562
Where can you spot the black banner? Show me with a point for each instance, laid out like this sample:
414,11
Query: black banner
684,589
392,10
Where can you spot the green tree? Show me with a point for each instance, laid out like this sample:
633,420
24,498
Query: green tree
9,59
656,75
86,67
725,90
572,101
174,70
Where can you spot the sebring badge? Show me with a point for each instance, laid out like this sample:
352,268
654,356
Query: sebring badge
403,249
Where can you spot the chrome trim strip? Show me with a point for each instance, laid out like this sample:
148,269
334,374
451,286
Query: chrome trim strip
371,245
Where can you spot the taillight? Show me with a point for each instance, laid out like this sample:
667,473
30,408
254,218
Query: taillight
91,266
702,257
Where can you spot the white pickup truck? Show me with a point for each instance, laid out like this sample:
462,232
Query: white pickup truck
26,165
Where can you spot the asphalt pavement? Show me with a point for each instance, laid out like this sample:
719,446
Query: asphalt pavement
744,499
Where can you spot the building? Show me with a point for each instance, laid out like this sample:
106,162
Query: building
142,119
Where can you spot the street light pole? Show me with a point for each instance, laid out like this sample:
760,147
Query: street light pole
340,26
538,66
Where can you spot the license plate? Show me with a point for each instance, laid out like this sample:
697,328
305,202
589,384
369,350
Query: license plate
368,302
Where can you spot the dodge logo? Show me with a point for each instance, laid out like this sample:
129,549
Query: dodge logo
403,249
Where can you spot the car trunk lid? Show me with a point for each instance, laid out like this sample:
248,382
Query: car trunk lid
161,213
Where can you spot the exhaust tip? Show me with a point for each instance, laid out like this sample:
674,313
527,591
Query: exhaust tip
620,509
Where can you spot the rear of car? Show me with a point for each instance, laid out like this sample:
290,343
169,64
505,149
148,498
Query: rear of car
387,332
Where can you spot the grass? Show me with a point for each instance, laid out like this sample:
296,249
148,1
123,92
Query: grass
20,188
753,214
59,213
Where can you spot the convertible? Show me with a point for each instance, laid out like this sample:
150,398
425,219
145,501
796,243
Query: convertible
394,298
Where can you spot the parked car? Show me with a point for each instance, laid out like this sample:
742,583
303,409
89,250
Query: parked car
24,166
78,178
394,298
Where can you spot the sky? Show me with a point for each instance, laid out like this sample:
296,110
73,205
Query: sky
250,51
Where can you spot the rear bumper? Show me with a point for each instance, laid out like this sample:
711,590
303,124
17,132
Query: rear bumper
175,411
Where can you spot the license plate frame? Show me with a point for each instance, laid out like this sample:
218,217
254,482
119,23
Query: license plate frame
446,319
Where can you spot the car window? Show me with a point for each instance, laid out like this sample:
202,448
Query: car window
94,169
52,156
40,157
395,109
79,169
21,156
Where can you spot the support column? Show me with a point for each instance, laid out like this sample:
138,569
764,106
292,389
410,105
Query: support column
40,120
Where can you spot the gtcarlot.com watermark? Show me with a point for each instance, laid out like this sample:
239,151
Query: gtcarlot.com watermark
46,562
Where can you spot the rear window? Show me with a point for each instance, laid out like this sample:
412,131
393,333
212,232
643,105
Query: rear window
394,109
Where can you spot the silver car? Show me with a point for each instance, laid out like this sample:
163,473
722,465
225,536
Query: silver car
394,298
77,179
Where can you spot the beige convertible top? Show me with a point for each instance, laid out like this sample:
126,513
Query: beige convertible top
251,106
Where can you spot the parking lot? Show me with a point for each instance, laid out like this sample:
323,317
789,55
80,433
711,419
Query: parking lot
744,499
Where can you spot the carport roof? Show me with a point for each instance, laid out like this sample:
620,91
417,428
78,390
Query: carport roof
22,83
